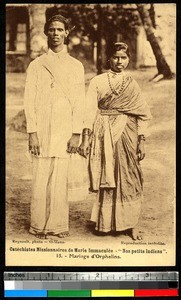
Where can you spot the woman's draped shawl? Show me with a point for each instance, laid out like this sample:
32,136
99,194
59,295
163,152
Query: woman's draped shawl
107,130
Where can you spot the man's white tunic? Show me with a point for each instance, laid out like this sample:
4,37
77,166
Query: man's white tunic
54,101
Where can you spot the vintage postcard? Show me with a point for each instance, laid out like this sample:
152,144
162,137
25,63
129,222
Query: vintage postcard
117,206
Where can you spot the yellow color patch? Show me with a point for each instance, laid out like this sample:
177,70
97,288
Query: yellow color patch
112,293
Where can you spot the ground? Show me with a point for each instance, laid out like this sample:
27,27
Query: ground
158,215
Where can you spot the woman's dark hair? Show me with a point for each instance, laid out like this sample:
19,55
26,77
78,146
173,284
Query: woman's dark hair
58,18
118,46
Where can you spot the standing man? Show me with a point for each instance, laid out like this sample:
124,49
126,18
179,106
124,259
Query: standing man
54,109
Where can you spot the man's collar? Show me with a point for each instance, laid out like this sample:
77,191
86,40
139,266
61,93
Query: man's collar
58,54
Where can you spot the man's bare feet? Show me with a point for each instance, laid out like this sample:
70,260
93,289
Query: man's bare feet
41,235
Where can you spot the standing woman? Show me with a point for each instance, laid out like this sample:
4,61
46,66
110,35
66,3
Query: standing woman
116,123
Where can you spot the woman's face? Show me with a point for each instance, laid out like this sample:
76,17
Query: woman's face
119,61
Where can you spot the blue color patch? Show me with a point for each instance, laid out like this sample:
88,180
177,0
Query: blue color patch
25,293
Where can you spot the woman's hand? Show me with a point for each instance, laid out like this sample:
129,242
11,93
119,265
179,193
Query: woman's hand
34,147
141,150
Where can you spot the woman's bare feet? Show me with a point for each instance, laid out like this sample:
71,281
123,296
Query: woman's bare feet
135,234
62,234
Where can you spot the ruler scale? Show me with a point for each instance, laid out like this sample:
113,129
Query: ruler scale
90,284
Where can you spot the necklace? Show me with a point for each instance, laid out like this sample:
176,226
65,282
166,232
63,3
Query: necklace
111,87
114,74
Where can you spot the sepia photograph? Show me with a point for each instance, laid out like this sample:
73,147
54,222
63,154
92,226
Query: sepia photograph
90,134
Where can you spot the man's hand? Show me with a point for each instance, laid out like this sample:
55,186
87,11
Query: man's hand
34,147
84,148
73,143
141,150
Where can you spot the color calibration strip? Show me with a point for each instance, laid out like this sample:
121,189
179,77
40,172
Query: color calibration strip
90,293
42,284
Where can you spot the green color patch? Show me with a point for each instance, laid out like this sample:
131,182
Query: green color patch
69,293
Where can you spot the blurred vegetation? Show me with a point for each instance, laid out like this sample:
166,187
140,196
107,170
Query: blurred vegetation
85,18
100,23
112,22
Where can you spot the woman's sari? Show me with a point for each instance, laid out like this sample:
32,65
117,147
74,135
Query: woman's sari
114,166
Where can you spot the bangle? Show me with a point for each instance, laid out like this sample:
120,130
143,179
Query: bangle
141,138
86,131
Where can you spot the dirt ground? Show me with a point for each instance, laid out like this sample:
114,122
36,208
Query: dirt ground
157,220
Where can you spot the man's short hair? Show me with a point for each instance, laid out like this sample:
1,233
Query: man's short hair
58,18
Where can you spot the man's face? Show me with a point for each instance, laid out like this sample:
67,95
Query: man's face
56,34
